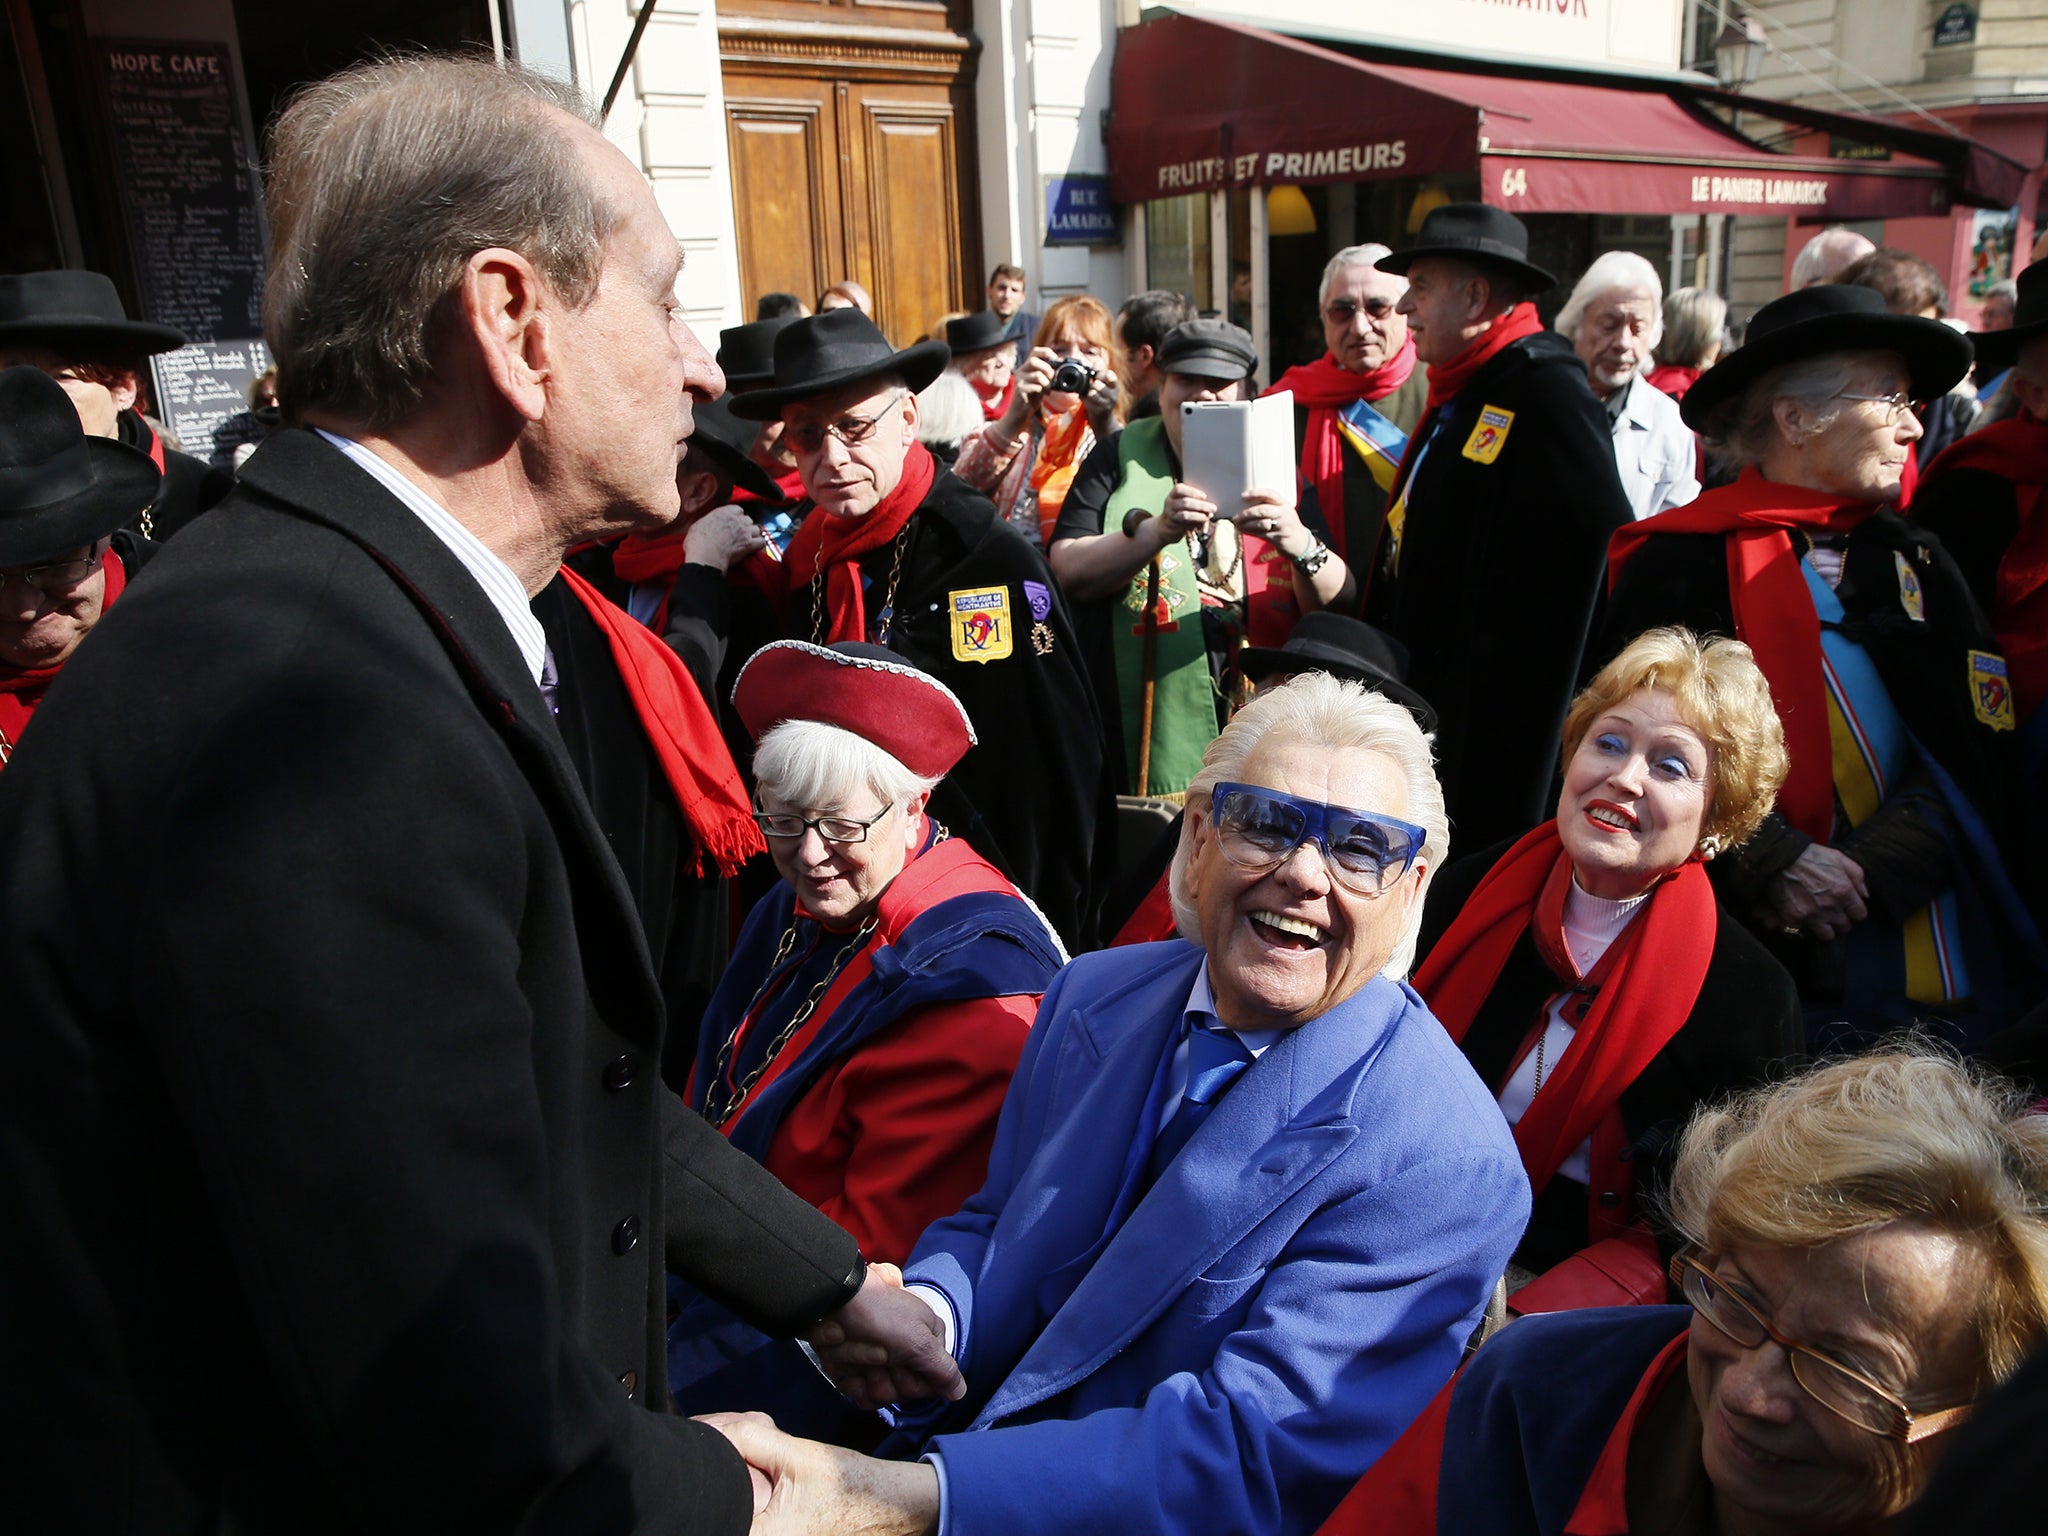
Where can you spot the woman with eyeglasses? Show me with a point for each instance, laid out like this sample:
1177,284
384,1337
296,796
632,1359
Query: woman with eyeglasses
64,556
1884,878
1869,1257
863,1035
1588,974
1064,402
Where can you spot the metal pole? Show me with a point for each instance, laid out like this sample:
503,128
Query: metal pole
626,59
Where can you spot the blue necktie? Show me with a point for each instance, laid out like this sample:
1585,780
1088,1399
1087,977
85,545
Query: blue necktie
1216,1059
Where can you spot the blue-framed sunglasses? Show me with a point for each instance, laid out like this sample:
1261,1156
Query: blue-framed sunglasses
1260,829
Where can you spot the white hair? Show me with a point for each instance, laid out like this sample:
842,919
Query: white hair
818,766
1331,714
1366,255
1611,270
1746,428
948,409
1828,253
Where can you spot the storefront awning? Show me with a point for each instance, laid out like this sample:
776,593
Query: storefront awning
1198,105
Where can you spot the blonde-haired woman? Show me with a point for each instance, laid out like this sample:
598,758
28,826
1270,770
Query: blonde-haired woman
1064,402
1587,973
1868,1257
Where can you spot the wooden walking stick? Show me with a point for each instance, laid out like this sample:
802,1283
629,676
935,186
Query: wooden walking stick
1151,680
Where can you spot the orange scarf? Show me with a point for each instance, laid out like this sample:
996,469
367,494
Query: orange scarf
1059,455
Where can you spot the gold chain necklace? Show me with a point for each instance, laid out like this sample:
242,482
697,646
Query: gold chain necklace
888,614
719,1115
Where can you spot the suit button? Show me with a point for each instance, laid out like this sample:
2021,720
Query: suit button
626,1235
1610,1198
619,1074
630,1380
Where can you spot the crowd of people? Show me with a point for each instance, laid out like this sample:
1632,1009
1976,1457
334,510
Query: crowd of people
602,937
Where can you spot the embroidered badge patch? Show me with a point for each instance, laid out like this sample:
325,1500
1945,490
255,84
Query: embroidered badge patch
980,622
1911,598
1490,435
1990,693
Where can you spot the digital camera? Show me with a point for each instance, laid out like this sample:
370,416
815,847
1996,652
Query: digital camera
1072,377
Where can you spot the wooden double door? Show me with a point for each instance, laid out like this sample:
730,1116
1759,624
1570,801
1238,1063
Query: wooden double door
853,153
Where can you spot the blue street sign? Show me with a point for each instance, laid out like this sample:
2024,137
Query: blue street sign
1078,211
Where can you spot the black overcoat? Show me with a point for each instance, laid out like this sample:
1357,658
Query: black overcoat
1500,568
1744,1027
336,1176
1035,779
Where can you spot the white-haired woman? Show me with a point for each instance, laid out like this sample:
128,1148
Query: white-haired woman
1879,879
1614,320
864,1033
1695,328
1868,1257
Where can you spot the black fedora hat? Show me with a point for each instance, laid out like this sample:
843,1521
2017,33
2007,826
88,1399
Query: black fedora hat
746,353
1346,648
59,489
727,440
1473,232
1997,350
81,310
979,332
1829,317
821,353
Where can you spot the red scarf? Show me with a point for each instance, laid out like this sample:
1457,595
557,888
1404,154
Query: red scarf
1648,980
21,692
1774,613
788,481
994,405
2015,450
680,728
1326,387
833,546
1673,379
1446,379
640,558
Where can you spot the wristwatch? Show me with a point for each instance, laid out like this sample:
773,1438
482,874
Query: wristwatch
1135,519
1314,558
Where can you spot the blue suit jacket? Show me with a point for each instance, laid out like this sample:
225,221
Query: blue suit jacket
1230,1352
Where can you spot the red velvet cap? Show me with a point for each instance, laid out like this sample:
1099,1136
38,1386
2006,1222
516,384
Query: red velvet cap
861,688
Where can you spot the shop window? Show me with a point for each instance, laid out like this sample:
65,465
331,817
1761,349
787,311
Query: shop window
1177,254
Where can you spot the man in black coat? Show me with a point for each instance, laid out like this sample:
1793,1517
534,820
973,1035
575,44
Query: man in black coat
71,325
895,550
1495,543
338,1177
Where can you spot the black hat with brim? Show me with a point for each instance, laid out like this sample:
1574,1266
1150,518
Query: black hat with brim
983,331
823,353
79,313
1346,648
746,353
1475,232
60,489
1829,317
727,440
1999,350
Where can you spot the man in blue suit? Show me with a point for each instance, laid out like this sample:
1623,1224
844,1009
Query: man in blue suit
1247,1201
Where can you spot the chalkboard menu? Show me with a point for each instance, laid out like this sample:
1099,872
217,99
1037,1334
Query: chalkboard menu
189,192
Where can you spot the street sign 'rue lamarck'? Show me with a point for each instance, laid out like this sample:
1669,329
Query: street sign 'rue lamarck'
1078,211
1957,24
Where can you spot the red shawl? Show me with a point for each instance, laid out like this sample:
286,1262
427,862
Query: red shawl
789,481
21,692
2015,450
643,557
1649,979
680,728
834,545
1673,379
993,406
1774,613
1326,387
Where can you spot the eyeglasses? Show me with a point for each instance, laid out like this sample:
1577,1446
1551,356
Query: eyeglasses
1845,1393
1260,829
833,829
57,576
809,437
1344,311
1896,404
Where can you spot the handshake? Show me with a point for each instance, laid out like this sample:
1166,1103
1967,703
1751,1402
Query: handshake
884,1346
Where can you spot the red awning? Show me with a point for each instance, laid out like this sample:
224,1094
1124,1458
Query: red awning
1198,105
